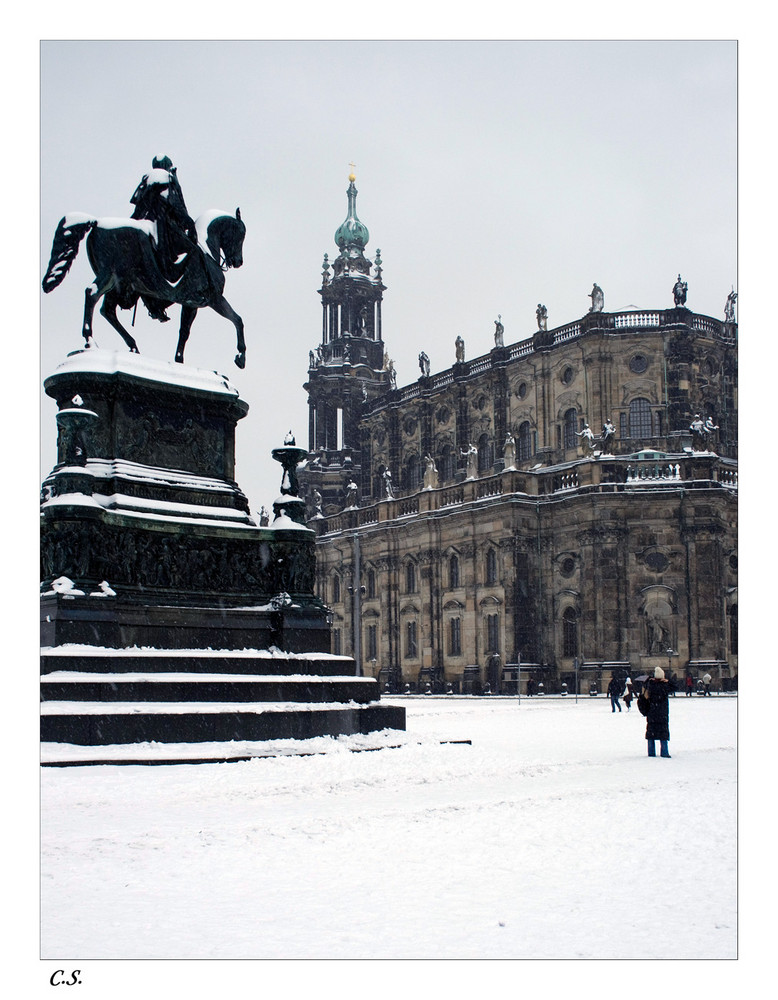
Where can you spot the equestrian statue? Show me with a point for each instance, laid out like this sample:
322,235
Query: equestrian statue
160,255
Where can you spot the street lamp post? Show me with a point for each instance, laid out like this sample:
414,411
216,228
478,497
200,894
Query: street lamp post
575,664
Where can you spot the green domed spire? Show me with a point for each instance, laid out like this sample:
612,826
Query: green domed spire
352,232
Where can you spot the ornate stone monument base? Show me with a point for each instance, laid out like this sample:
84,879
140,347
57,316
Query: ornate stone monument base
148,542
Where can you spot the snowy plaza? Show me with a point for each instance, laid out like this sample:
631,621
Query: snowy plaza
551,835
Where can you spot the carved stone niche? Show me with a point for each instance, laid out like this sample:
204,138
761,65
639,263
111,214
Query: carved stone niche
659,624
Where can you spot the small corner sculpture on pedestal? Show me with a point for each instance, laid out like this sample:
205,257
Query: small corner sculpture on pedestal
607,436
509,452
424,365
588,436
542,317
499,330
729,307
430,473
290,502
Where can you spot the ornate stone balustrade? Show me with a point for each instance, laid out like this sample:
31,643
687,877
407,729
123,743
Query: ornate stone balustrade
630,321
606,475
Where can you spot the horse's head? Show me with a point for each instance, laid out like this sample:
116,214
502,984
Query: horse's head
225,235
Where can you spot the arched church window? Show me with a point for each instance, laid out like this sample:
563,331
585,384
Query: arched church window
453,572
569,632
485,454
525,441
446,466
491,566
570,428
412,473
640,419
410,578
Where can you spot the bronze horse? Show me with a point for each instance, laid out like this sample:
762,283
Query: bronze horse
122,255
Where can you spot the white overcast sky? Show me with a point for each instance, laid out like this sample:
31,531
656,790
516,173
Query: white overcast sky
492,175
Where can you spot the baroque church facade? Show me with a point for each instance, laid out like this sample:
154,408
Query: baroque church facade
566,503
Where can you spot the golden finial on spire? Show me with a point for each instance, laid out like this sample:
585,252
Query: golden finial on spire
352,176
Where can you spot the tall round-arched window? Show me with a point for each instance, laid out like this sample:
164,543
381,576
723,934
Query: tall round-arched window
485,454
446,466
412,473
571,428
491,566
640,418
525,441
569,632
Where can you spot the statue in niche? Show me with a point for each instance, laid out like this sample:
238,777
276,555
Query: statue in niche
598,299
729,307
388,485
459,348
542,316
679,292
424,364
509,451
657,633
499,330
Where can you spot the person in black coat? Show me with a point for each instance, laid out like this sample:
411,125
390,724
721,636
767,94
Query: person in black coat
658,690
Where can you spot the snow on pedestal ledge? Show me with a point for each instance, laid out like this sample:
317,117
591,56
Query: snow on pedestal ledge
107,362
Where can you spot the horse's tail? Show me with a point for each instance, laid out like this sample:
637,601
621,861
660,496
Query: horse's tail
67,239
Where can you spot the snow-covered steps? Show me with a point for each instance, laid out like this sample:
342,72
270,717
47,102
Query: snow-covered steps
98,723
193,687
94,696
101,659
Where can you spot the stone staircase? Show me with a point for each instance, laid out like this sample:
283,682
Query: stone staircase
98,697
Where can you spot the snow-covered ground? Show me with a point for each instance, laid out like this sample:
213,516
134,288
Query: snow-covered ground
551,836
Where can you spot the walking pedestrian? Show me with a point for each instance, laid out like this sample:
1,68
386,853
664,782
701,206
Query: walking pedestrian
689,685
614,690
706,680
657,691
628,693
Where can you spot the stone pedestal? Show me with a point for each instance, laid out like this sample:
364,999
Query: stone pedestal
147,541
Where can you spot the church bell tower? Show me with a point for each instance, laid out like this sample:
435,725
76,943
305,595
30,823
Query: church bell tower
348,369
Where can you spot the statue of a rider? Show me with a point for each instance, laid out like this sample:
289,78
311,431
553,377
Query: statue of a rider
159,199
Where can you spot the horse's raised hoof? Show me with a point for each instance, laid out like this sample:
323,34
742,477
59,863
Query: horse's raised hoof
240,359
134,350
179,358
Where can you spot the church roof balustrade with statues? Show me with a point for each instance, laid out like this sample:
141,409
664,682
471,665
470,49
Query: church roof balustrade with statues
623,323
627,474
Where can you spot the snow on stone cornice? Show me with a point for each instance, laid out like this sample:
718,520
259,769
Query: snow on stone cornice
107,362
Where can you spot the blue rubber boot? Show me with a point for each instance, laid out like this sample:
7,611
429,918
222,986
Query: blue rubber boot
651,748
664,752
